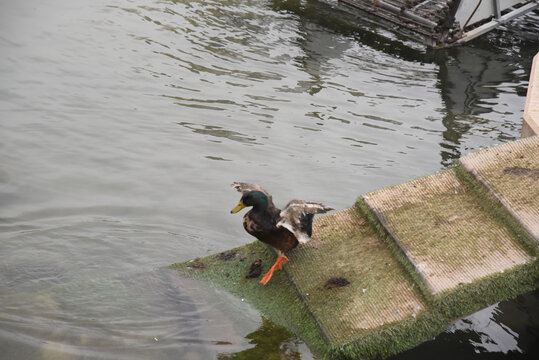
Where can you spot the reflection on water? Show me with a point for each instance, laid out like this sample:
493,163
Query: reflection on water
270,342
506,330
474,83
122,124
217,131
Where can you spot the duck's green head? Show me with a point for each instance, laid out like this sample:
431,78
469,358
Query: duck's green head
256,199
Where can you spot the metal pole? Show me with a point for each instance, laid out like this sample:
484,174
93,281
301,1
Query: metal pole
397,11
494,23
497,9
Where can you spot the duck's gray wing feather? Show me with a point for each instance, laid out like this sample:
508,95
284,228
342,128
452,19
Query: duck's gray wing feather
297,216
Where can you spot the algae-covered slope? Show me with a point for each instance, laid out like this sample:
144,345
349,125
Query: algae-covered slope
376,291
379,313
279,300
376,312
404,262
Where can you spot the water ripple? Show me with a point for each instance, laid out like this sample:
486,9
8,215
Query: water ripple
124,122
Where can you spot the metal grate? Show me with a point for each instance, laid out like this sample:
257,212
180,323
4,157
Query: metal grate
445,22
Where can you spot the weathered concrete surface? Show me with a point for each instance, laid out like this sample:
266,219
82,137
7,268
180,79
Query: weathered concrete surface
444,233
379,291
530,123
511,172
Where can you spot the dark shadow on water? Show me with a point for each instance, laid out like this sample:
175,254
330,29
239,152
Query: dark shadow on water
470,79
343,20
469,76
509,331
271,342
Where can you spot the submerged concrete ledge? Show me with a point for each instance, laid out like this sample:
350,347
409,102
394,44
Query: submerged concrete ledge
409,259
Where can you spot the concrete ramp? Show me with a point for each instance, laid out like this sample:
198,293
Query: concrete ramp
404,262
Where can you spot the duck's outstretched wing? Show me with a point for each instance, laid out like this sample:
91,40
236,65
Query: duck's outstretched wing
297,217
246,187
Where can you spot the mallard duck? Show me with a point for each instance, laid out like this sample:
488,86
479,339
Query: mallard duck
281,229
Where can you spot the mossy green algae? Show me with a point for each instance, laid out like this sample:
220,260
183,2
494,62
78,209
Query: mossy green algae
278,300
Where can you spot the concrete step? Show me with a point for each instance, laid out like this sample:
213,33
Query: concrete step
377,289
446,235
511,173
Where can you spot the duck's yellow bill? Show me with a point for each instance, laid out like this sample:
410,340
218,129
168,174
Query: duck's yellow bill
238,207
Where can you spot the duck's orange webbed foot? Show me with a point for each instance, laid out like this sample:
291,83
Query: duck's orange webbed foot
277,266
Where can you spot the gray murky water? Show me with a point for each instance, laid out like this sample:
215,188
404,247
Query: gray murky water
123,122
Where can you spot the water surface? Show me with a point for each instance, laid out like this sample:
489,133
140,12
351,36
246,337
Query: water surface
122,124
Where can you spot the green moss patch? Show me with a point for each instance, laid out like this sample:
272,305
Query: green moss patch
278,300
376,290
